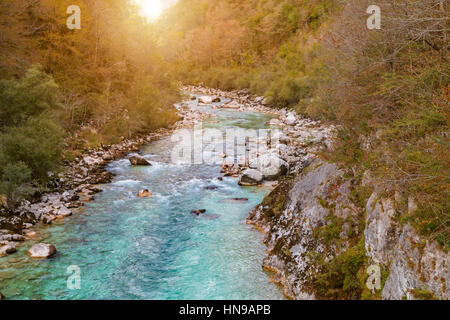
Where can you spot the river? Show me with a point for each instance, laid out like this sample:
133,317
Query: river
154,248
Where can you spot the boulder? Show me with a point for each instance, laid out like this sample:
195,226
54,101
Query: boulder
270,165
42,250
107,157
251,177
138,160
205,100
8,248
145,194
291,119
64,212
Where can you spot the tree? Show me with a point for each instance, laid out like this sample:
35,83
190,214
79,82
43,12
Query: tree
35,93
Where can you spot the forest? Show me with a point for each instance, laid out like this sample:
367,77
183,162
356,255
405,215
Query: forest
64,91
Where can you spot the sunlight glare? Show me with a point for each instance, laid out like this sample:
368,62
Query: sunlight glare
151,9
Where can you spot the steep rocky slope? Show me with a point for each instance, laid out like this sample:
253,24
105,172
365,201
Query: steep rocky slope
322,238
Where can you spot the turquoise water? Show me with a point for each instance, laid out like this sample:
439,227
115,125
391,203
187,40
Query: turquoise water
154,248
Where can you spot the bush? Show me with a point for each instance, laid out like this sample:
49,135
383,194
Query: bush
37,144
33,94
338,278
14,182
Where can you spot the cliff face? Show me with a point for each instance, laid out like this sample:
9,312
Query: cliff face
417,266
320,243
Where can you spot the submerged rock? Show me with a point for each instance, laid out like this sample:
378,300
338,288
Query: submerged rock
235,200
42,250
251,177
198,211
138,160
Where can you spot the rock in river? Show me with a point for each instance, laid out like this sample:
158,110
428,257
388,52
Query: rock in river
145,193
205,99
8,248
138,160
42,250
251,177
198,211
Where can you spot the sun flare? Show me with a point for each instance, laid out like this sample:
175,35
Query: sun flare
151,9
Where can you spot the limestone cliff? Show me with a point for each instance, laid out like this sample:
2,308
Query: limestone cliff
321,240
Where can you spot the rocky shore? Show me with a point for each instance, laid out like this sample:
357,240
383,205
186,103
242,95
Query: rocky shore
290,147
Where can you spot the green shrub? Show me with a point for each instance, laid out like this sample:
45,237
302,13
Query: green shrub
37,143
339,278
15,182
33,94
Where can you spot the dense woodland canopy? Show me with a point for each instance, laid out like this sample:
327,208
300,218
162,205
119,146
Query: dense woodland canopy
117,76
